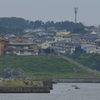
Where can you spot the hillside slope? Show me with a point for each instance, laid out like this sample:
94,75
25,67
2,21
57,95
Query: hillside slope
42,65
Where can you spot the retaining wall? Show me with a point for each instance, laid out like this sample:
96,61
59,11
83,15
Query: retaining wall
78,80
24,90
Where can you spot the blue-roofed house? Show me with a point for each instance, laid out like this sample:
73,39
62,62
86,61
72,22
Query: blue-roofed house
93,34
45,34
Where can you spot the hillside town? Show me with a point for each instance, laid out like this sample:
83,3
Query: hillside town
43,43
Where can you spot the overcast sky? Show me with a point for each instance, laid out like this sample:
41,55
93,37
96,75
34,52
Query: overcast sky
52,10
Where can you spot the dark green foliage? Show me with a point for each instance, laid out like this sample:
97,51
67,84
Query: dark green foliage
89,60
13,22
19,24
11,30
39,65
79,30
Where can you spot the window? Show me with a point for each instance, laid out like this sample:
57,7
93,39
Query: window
31,52
17,51
19,47
21,52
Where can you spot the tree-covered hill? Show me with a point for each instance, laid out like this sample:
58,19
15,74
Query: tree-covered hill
13,22
42,65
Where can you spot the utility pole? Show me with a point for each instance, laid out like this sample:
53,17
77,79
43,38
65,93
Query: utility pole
75,11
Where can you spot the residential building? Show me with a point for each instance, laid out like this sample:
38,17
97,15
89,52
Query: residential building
46,44
62,37
62,32
17,46
88,48
3,45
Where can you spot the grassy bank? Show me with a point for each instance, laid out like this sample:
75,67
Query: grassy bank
42,66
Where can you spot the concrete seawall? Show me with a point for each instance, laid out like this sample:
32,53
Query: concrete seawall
24,90
25,86
48,84
78,80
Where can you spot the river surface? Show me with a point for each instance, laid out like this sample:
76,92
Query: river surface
61,91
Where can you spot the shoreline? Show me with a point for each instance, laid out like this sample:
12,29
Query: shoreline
77,80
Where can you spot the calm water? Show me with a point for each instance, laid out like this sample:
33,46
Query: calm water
61,91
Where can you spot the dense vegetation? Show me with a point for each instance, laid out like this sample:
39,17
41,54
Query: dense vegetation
90,60
15,25
11,30
41,65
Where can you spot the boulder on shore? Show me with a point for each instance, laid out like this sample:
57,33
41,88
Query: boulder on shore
77,88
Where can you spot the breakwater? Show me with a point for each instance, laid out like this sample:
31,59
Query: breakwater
25,86
78,80
48,83
24,90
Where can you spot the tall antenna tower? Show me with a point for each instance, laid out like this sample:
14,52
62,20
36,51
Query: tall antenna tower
75,11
